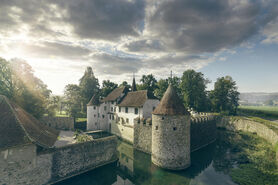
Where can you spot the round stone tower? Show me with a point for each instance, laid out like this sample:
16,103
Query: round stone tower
171,133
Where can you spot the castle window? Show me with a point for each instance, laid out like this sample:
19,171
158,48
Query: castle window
94,107
174,128
94,115
97,114
126,110
127,120
111,109
156,127
114,109
162,118
105,108
112,117
136,110
102,116
120,109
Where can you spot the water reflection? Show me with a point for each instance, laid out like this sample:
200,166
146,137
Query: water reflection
135,167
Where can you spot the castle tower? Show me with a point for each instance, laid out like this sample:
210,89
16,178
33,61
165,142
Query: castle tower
133,87
93,114
171,133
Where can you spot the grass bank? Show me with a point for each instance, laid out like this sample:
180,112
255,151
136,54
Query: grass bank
249,159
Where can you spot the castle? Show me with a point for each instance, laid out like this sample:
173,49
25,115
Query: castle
164,129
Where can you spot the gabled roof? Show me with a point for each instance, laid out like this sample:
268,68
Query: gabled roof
136,99
94,101
116,93
17,127
170,104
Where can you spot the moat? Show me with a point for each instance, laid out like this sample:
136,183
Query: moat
211,165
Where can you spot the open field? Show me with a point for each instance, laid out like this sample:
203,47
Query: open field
267,112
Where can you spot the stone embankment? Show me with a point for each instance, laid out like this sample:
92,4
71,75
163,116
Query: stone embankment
248,125
30,164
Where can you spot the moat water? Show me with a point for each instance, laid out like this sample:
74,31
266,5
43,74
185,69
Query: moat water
208,167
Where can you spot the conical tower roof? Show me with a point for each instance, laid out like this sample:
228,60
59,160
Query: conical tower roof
170,104
94,101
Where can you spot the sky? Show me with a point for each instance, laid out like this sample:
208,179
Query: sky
60,38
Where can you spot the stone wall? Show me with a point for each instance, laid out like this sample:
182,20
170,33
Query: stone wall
31,165
203,131
78,158
244,124
123,131
60,123
143,135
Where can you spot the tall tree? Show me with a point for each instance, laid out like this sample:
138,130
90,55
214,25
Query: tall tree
89,86
148,82
6,79
73,99
162,85
193,86
107,87
125,84
18,82
225,96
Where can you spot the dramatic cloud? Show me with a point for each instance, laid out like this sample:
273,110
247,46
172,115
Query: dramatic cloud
115,65
100,19
205,26
120,37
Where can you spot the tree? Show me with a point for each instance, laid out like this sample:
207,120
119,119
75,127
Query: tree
162,86
18,82
225,97
107,87
125,84
89,86
72,99
148,82
6,79
193,86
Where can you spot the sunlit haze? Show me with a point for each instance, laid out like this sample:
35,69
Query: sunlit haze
59,39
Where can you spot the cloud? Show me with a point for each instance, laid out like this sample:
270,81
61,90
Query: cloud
98,19
205,26
47,50
107,64
145,45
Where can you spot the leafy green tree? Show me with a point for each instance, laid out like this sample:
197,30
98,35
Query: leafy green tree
73,99
162,85
18,82
225,97
6,79
125,84
193,89
148,82
107,87
89,86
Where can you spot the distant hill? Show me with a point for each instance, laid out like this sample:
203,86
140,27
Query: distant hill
257,98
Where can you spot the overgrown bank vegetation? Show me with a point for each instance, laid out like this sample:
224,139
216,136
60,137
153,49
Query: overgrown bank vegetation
248,158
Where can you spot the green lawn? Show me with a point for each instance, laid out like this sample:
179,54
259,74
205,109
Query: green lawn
268,112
